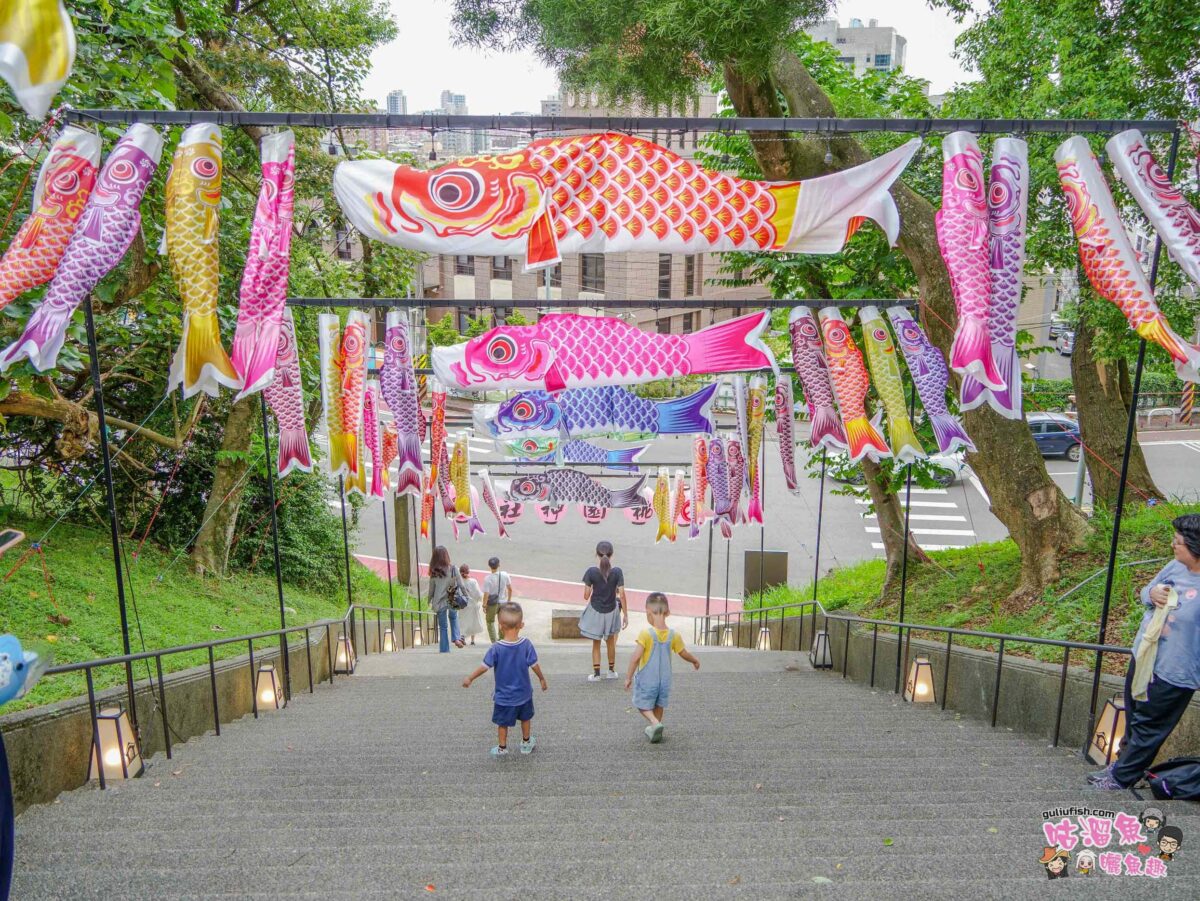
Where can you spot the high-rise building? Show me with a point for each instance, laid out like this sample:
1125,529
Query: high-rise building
552,105
397,103
459,142
863,48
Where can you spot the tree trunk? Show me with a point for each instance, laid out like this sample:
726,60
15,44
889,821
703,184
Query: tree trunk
210,554
1039,518
890,516
1103,398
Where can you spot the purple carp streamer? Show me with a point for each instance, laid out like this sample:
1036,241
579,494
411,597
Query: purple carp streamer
398,383
285,397
929,372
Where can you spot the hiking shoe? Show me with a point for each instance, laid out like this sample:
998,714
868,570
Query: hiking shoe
594,677
611,674
499,751
1099,775
528,746
1106,784
654,733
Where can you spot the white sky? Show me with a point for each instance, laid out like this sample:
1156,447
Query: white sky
423,62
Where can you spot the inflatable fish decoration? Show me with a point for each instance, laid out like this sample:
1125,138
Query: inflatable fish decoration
1176,221
285,397
193,198
37,51
885,373
551,450
398,384
268,264
930,374
850,387
109,223
1007,204
808,357
602,193
20,668
63,187
1108,257
564,486
568,350
962,233
601,412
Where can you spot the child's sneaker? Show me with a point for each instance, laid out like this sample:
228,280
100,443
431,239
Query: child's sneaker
611,674
594,677
654,733
528,746
499,751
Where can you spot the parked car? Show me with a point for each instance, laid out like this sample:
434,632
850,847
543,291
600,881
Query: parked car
1058,324
1066,343
946,469
1056,435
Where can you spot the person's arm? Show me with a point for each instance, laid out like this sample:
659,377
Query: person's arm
1155,594
475,675
624,606
634,659
537,671
508,586
587,587
690,658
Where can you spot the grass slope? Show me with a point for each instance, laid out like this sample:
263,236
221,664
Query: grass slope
967,588
173,606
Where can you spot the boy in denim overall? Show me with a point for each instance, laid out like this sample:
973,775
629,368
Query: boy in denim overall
650,667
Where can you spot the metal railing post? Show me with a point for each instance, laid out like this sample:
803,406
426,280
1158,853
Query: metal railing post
212,680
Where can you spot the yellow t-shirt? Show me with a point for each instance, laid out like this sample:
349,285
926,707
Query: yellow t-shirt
646,640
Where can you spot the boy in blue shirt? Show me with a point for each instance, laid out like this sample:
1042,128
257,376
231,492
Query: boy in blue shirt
511,657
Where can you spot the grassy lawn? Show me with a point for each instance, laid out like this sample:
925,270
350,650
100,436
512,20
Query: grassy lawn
967,588
174,607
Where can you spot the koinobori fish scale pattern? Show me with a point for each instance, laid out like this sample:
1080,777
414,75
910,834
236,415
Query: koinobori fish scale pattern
585,345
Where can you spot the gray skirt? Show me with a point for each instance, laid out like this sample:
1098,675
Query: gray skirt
594,624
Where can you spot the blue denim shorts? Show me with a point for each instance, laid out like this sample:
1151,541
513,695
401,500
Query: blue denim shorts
508,715
649,696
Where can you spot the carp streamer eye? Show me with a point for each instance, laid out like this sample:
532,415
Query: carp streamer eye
523,410
122,171
456,190
66,182
880,335
501,350
966,180
203,167
526,487
530,446
911,334
836,335
807,329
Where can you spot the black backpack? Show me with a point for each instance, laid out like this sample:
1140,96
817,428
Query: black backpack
1177,779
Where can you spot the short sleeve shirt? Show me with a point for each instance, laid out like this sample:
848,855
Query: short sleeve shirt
510,662
645,640
1178,658
604,591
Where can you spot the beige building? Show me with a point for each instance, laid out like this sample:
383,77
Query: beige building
863,48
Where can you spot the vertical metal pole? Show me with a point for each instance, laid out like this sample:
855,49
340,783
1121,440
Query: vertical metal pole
388,556
912,403
111,498
270,461
708,583
345,538
820,517
728,542
1130,428
762,528
1080,473
416,546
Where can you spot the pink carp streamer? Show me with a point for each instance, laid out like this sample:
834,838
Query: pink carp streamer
373,437
1108,257
63,187
491,500
1008,201
785,425
962,233
268,263
285,397
1176,221
808,356
107,226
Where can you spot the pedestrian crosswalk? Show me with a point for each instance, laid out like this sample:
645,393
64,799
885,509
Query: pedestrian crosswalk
936,516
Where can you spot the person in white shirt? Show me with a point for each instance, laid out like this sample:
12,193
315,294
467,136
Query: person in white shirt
497,590
470,619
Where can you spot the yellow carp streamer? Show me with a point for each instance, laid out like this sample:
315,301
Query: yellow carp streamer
885,372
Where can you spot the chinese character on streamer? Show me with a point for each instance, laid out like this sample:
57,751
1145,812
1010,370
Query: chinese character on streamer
1128,828
1062,834
1155,868
1110,863
1133,865
1097,831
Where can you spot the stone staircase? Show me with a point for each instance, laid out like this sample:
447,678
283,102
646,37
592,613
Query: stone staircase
773,781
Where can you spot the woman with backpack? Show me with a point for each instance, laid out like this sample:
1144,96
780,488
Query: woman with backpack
447,596
606,613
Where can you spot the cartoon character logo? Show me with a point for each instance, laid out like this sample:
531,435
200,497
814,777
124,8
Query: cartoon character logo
1152,819
1170,840
1055,861
1085,863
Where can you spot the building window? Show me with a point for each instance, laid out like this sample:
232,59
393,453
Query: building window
689,274
342,239
464,265
664,276
846,61
691,322
593,271
883,60
841,40
663,326
502,268
500,314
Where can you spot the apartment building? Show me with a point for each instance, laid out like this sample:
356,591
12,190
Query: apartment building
863,48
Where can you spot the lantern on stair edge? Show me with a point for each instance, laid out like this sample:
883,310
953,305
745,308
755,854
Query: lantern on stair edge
344,660
918,689
114,746
417,638
764,639
267,693
1110,732
727,637
389,641
819,655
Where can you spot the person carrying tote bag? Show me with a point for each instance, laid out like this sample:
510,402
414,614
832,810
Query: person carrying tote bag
446,597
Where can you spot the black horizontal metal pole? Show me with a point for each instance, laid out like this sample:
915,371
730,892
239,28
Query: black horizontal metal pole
687,303
545,124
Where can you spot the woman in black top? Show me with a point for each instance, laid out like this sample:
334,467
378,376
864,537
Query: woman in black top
607,612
